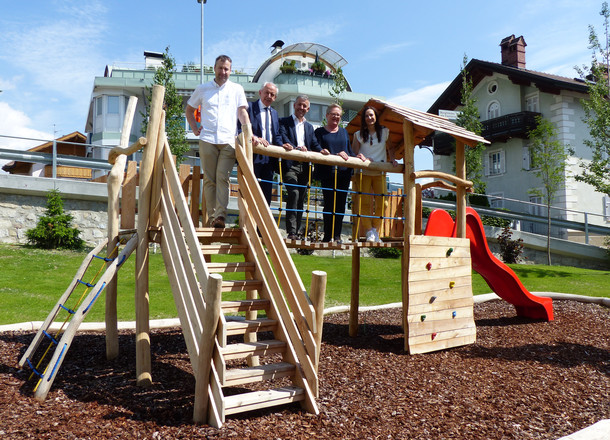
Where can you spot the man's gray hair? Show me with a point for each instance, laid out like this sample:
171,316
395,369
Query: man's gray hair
269,83
302,97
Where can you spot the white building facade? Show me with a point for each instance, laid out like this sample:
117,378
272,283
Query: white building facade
111,92
509,97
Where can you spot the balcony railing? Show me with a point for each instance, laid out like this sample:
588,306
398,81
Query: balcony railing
514,125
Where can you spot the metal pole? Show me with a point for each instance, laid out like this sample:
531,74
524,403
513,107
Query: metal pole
54,159
202,3
586,228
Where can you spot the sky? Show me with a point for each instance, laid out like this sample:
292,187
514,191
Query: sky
405,51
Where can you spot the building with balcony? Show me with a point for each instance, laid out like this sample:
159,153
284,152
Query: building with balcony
509,97
112,91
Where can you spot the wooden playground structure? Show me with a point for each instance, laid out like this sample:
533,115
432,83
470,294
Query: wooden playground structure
261,349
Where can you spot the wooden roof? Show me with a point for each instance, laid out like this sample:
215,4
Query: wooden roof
393,115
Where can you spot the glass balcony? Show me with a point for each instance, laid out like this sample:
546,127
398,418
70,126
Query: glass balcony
303,79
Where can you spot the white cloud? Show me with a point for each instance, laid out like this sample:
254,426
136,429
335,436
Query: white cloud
419,99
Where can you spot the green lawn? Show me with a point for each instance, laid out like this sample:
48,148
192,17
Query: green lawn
32,280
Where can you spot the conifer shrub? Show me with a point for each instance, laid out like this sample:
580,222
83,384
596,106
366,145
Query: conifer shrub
510,250
54,230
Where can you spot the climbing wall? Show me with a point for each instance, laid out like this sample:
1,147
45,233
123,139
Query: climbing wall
440,303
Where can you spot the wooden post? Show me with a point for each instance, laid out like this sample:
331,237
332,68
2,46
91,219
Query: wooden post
318,294
409,227
155,199
143,367
115,179
460,204
206,347
355,296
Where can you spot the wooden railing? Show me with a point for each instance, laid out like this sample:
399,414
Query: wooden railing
289,294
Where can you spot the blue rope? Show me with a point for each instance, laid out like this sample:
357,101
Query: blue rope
70,311
107,260
86,284
94,298
36,372
61,355
50,337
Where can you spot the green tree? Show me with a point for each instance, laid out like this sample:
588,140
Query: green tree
548,160
173,106
596,172
53,230
469,119
339,86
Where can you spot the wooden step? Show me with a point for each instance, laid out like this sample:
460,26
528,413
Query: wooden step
224,248
241,285
240,376
209,235
241,326
243,266
260,348
247,305
262,399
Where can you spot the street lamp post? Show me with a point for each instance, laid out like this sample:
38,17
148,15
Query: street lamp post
202,2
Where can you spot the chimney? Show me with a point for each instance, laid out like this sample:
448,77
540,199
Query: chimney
513,51
276,47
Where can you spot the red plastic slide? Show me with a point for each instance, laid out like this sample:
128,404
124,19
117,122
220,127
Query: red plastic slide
500,278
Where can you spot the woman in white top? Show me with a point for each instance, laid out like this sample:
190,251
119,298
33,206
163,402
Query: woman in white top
370,143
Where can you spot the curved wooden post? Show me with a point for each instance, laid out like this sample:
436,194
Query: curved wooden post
206,348
143,367
317,295
460,204
409,212
115,180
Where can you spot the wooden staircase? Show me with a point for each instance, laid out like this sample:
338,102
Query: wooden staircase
254,361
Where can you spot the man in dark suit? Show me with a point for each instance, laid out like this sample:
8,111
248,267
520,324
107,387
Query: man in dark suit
266,131
298,134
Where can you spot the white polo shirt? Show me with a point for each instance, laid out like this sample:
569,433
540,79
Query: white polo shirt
219,105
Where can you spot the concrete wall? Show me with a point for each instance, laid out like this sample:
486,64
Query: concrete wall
23,200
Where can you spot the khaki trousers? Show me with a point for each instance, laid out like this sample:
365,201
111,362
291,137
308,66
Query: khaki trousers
217,162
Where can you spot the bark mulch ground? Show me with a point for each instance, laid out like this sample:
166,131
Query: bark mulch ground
520,380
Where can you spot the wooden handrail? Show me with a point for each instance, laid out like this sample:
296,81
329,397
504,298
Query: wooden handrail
118,151
295,306
331,159
440,175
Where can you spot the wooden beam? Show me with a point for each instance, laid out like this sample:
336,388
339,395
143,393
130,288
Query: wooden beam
460,204
409,213
143,363
115,180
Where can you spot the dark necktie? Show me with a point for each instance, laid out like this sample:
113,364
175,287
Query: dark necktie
267,125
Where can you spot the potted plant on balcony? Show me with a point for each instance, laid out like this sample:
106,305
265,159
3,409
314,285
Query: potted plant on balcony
289,66
318,67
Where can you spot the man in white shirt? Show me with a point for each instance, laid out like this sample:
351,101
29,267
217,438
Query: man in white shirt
222,103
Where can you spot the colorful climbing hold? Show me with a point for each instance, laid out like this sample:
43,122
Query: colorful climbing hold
429,266
433,336
449,251
453,314
451,284
423,318
432,299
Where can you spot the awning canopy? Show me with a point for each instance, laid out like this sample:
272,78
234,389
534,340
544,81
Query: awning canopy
424,124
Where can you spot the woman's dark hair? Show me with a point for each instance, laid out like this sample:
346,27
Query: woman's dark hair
364,129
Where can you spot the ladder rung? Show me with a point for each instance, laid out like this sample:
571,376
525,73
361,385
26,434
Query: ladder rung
262,399
241,285
246,305
208,234
240,376
259,348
